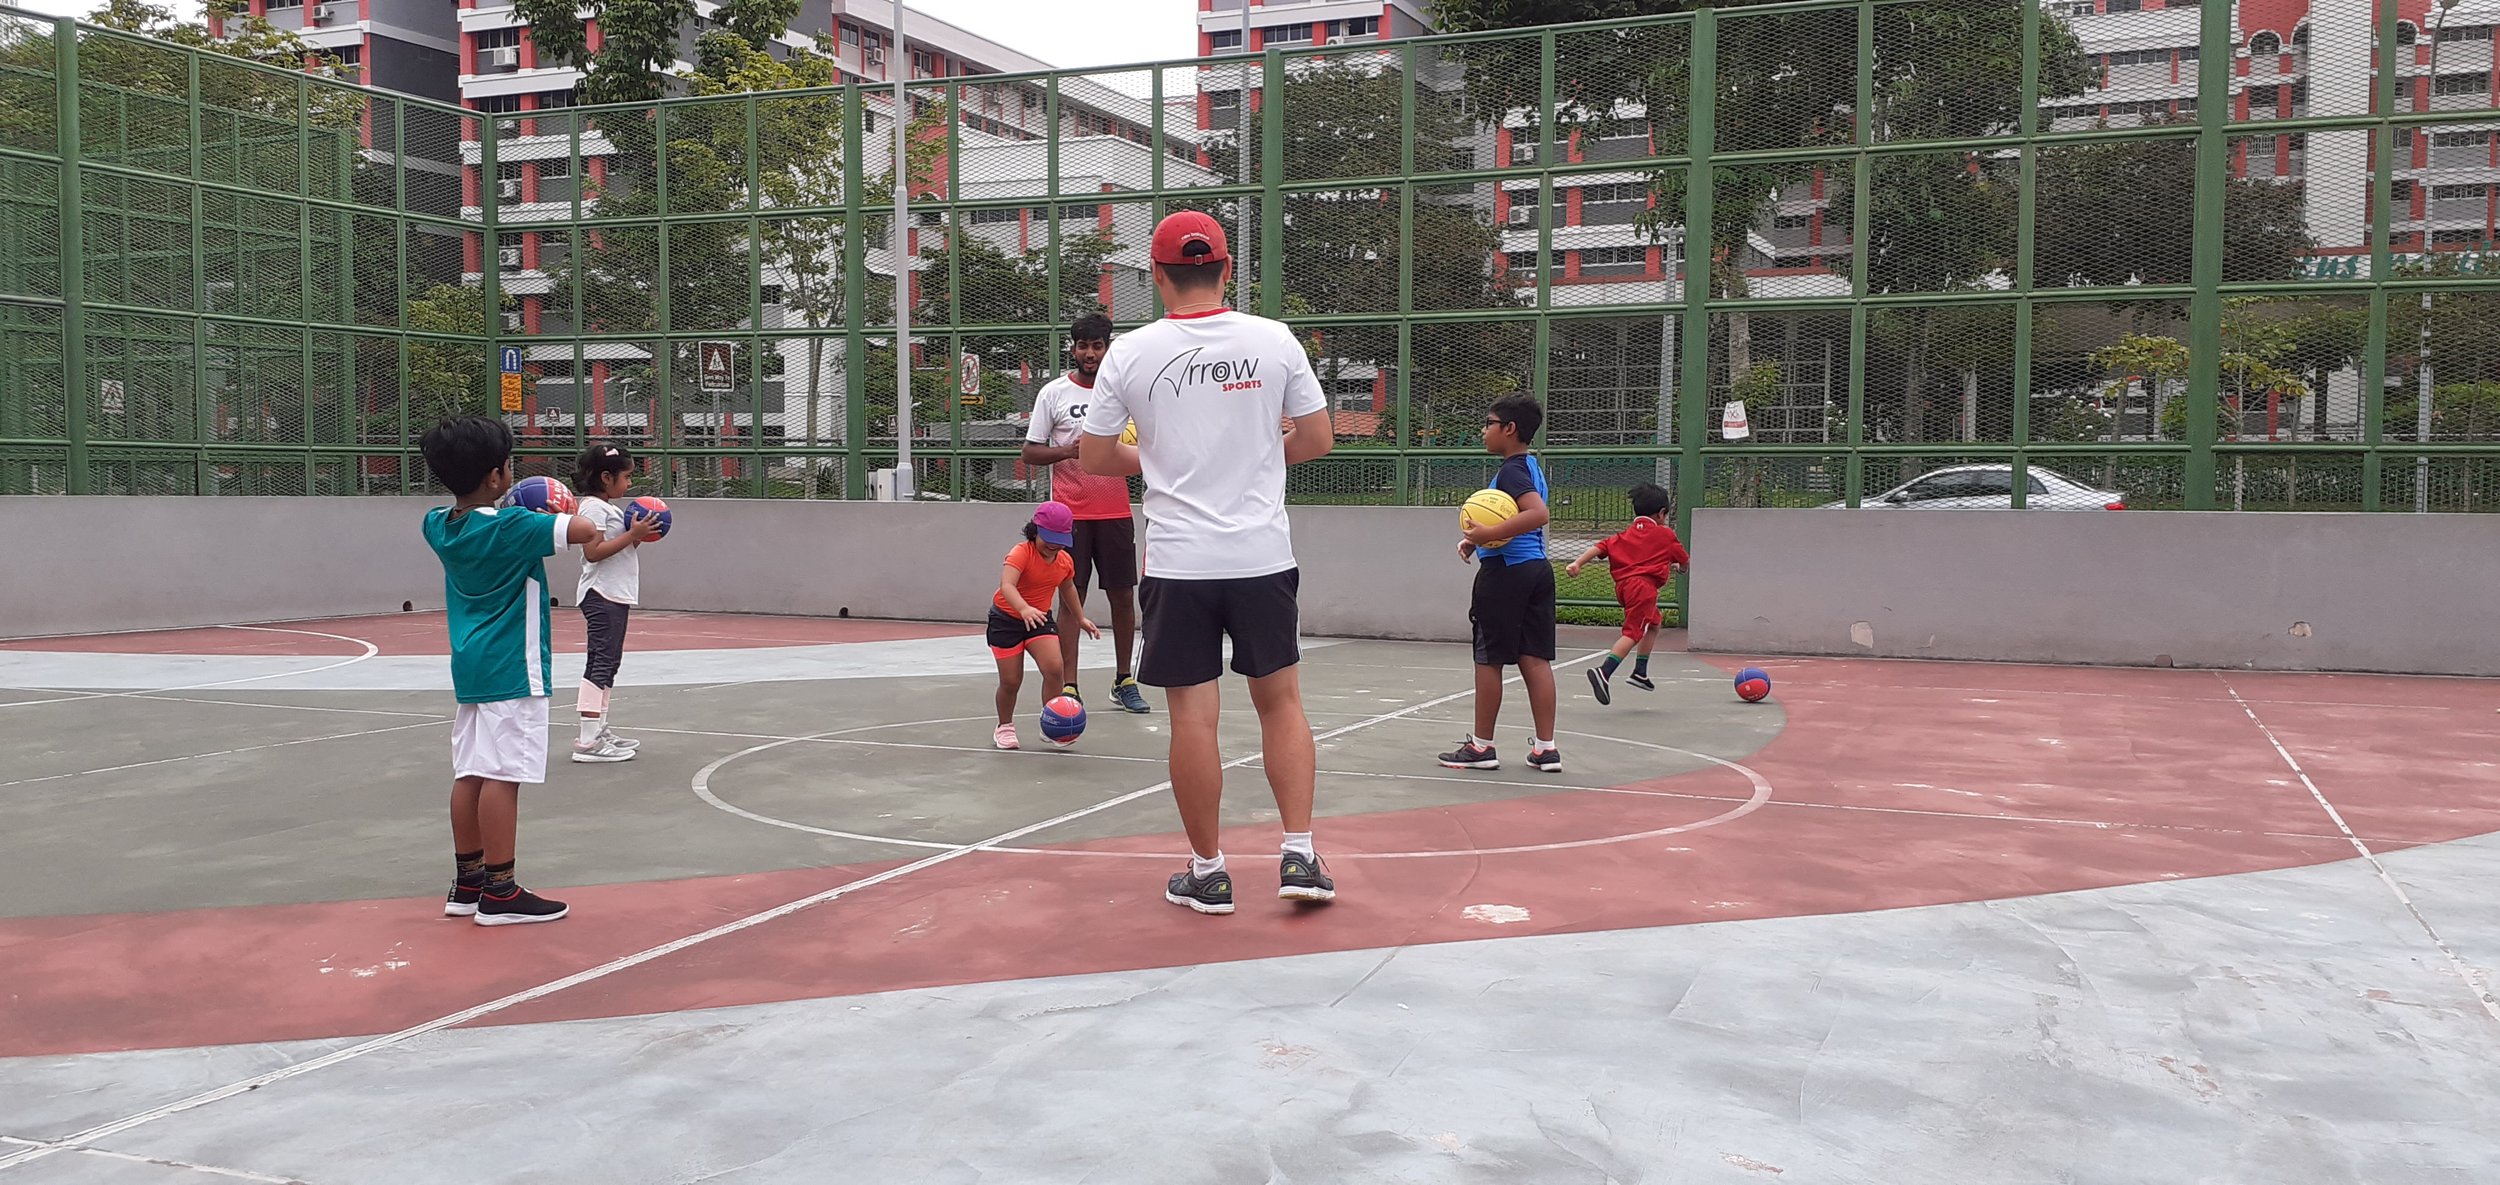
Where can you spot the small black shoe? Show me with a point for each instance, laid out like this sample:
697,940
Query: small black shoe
1470,755
1545,760
461,902
1302,878
1641,681
520,908
1598,688
1207,894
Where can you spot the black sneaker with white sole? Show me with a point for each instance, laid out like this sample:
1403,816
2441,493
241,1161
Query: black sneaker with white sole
1212,893
1598,688
1303,878
520,907
1545,760
1641,681
1470,755
461,902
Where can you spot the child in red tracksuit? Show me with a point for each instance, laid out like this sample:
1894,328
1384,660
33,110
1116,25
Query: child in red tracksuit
1641,557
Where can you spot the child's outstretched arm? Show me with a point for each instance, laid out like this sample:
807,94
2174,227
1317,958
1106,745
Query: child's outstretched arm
1595,550
581,532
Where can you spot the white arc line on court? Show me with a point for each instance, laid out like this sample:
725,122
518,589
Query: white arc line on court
628,962
1761,796
2473,986
370,651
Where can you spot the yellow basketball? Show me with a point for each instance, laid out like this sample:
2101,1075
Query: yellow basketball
1129,434
1485,508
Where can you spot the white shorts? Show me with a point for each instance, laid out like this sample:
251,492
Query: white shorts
504,741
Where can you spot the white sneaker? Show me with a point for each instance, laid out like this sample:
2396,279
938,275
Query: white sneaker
618,741
1005,737
602,749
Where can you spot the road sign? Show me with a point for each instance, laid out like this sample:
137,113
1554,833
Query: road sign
714,363
512,359
972,374
512,392
111,390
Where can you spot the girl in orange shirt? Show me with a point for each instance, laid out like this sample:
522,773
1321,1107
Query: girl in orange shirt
1036,571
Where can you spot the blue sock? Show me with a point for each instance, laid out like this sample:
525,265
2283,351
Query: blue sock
1640,666
1612,661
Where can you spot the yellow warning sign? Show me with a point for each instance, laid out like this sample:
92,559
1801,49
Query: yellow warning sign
512,392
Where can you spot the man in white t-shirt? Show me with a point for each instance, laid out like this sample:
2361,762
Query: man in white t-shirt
1106,531
1206,387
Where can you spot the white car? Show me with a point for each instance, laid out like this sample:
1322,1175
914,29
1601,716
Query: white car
1990,487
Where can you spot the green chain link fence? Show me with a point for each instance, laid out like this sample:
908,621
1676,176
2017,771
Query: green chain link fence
1935,247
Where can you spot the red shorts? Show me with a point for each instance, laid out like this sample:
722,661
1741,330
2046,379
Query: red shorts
1639,598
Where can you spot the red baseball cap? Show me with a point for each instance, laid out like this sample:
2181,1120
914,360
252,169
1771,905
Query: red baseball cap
1181,229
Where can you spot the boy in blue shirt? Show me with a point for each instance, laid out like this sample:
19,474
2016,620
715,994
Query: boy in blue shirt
1513,605
502,660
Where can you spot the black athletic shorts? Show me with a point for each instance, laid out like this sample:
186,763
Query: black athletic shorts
1513,612
1106,547
1009,635
1187,622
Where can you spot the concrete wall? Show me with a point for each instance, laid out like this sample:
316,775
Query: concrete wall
2390,592
100,564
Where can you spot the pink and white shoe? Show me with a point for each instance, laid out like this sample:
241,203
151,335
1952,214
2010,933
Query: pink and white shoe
1005,737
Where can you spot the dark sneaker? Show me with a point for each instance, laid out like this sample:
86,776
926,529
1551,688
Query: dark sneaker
461,902
1071,692
1130,697
1598,688
1470,755
1641,681
521,907
1209,894
1545,760
1302,878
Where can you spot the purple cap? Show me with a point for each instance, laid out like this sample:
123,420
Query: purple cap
1055,523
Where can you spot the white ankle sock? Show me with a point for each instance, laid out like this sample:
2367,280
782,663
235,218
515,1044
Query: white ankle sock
1540,745
1479,742
590,728
1200,866
1298,843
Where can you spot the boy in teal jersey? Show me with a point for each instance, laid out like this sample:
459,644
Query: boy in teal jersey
502,659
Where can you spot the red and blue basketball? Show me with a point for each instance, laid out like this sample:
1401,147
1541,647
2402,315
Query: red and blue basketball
1753,685
543,494
649,507
1063,720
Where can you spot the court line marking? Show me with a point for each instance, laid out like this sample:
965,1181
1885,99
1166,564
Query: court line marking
370,651
161,1162
2473,984
702,787
114,769
628,962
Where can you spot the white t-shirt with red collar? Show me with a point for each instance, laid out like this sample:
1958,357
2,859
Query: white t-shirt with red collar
1207,391
1058,419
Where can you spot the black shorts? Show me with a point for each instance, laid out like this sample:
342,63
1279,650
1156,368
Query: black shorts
1009,635
1513,612
1105,547
1187,622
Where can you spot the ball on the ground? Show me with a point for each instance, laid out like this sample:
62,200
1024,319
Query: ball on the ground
1753,685
1063,720
543,494
1128,435
647,506
1485,508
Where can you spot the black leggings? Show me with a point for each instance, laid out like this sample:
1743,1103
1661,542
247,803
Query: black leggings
606,620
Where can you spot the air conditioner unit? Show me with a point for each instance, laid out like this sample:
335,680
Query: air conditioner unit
1523,215
512,322
508,188
508,256
872,57
504,55
507,127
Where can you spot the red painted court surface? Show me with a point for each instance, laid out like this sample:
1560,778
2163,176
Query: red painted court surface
249,866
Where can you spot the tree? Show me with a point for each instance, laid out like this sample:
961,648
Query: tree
2096,228
445,379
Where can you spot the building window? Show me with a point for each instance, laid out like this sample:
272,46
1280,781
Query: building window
2189,54
2261,96
850,35
2405,33
2459,238
920,64
497,104
499,38
2075,8
2264,45
2141,57
2461,84
1294,34
1522,149
1224,41
1625,191
1363,26
1792,221
2455,139
994,217
2452,193
1069,214
2123,6
2464,33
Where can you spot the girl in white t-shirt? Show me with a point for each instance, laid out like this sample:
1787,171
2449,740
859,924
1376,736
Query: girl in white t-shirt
611,583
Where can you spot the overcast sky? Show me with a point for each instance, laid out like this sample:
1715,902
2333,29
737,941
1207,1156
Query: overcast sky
1107,33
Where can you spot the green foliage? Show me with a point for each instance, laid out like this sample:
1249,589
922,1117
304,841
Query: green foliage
2096,226
448,378
2459,412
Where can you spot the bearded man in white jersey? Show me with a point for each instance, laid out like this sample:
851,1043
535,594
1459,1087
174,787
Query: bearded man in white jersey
1206,387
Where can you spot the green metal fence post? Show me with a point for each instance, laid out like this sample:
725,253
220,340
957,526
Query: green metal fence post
955,287
2382,262
1692,403
663,429
1271,175
73,253
201,406
490,275
304,277
1400,471
1540,360
1157,147
761,486
2026,217
855,295
1862,181
2213,160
